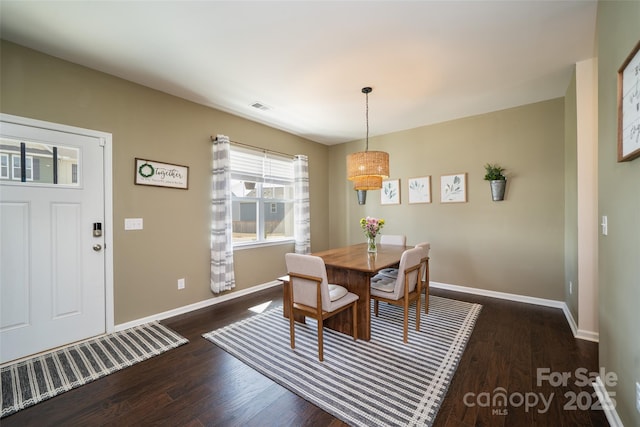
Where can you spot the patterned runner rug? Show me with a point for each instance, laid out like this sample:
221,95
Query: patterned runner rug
382,382
41,377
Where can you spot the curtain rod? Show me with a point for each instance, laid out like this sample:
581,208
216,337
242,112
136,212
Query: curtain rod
264,150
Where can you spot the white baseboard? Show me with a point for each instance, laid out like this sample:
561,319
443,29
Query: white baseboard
607,404
196,306
572,322
587,335
500,295
577,333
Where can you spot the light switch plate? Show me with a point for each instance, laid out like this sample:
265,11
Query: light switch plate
605,225
133,223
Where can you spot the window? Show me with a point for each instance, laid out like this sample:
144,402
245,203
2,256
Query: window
261,195
44,163
4,166
16,169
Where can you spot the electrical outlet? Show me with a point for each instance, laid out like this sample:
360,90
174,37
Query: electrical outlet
638,396
570,287
180,283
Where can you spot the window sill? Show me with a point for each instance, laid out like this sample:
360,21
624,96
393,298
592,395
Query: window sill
254,245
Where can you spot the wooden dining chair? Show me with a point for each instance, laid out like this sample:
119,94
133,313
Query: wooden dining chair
426,247
311,295
403,290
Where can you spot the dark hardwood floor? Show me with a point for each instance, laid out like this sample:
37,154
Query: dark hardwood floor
200,385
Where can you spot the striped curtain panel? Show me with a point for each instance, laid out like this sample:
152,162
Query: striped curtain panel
222,275
302,228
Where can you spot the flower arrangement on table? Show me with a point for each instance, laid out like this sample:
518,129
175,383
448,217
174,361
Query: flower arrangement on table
371,227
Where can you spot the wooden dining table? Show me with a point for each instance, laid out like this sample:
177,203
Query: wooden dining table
352,267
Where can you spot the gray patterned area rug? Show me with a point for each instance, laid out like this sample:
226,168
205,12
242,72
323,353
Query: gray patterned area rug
382,382
44,376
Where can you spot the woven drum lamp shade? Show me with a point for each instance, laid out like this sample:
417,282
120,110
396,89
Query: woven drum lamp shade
364,165
367,183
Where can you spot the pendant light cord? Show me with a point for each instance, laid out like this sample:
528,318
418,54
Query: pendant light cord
366,91
367,113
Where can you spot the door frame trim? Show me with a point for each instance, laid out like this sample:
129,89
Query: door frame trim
108,230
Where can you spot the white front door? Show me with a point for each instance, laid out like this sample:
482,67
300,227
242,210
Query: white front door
52,264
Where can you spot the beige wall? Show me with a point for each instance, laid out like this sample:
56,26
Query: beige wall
150,124
571,199
619,199
514,246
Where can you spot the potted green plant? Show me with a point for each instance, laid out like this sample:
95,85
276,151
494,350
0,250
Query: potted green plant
494,174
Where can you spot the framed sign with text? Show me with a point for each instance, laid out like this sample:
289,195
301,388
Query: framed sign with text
149,172
629,107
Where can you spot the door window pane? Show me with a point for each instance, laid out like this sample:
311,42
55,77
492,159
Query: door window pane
44,163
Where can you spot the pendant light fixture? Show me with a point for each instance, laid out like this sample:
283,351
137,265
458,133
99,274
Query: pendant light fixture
367,168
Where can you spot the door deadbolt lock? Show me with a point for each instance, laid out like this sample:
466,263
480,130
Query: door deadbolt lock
97,229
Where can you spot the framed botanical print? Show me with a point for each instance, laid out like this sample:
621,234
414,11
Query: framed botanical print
390,192
629,107
453,188
420,190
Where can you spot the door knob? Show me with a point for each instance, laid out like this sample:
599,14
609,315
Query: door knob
97,248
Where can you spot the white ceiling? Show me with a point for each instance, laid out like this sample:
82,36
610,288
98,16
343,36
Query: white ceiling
427,61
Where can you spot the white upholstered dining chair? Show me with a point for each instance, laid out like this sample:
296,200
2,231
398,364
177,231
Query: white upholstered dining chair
403,290
311,295
393,239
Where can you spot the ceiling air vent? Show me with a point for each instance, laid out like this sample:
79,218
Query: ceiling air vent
260,106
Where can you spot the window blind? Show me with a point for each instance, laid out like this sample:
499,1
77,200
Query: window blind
259,166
